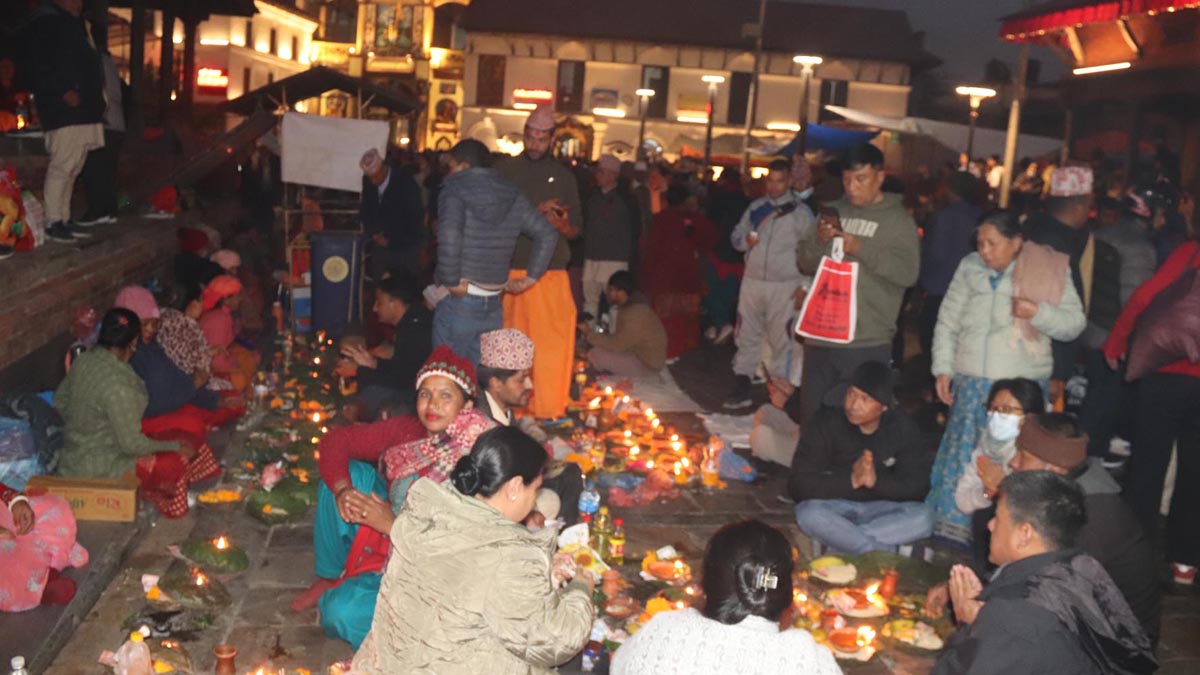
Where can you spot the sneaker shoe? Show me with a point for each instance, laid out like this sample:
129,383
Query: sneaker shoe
710,333
740,398
1185,575
108,219
155,214
59,231
1120,447
88,220
1113,461
723,335
6,252
77,231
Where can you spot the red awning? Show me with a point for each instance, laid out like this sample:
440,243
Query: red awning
1053,16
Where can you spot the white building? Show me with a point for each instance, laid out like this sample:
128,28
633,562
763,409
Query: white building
590,58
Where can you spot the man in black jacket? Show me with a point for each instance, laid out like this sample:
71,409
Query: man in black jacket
1049,609
68,86
392,380
1095,264
393,215
859,478
1111,534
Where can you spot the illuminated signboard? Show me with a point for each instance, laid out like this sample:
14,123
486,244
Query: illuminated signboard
212,79
528,99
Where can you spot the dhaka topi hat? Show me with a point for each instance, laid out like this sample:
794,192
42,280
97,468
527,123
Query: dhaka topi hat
506,349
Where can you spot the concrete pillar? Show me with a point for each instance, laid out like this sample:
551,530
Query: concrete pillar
137,67
187,94
166,70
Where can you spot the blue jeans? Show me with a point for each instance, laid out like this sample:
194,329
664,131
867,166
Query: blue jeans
860,527
458,323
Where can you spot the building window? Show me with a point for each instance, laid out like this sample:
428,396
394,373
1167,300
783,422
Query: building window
833,92
273,49
489,87
657,78
249,34
295,48
246,85
739,98
270,76
568,98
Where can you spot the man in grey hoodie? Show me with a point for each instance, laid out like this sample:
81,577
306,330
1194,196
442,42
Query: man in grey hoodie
879,234
480,216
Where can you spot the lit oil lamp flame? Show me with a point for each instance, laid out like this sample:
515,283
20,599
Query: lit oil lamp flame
680,604
221,543
649,464
633,451
690,590
608,391
316,417
674,438
678,468
628,433
201,579
872,593
315,440
799,597
594,403
656,423
866,635
625,399
316,360
324,430
649,413
685,462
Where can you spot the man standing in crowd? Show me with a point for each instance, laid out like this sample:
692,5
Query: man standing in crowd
612,228
859,478
1095,264
393,215
768,233
480,216
388,381
880,235
637,346
546,313
1049,609
506,360
99,172
69,88
948,239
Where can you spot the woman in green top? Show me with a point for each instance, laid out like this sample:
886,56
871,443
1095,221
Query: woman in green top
102,401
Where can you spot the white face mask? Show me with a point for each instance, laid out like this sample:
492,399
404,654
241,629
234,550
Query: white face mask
805,194
1003,426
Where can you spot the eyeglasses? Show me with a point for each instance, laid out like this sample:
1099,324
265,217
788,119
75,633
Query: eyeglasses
1007,409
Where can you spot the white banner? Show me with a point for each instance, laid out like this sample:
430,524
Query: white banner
325,151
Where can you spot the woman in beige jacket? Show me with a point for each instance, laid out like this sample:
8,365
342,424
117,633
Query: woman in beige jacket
469,589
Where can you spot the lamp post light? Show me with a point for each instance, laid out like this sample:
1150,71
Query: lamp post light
975,95
808,62
644,96
712,81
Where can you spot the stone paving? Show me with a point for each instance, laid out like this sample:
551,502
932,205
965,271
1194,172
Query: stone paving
261,625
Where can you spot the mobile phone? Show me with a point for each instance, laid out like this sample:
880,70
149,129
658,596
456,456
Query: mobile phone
830,215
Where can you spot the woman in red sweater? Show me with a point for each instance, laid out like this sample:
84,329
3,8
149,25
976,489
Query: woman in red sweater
1168,417
365,471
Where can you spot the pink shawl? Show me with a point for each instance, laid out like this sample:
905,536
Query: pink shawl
434,456
1040,275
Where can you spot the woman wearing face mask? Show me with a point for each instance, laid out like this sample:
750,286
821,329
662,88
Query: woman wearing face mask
1008,403
1005,304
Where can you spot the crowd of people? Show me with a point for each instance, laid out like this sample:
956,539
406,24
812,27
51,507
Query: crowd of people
489,273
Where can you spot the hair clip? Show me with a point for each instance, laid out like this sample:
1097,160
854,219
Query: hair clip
764,579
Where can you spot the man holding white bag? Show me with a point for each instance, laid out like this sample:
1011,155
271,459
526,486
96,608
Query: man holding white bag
880,236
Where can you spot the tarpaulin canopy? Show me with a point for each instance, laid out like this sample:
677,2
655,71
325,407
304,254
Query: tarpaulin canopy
314,82
834,140
952,135
830,139
1059,14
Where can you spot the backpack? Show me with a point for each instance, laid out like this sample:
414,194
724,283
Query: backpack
1169,328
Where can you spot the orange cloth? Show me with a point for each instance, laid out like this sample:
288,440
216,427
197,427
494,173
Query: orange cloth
546,313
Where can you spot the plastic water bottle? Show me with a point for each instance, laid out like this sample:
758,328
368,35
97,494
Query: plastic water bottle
18,666
589,500
133,658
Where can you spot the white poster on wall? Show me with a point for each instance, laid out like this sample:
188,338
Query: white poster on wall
325,151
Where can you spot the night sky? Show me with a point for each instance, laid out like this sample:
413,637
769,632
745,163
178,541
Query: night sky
963,33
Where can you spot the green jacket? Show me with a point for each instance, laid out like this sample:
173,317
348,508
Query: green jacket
468,591
889,259
102,401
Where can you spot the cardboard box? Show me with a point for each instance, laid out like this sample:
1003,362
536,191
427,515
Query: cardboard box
107,499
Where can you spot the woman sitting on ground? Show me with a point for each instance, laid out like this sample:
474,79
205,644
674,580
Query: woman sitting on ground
469,589
183,340
102,402
1008,403
366,470
176,402
231,361
37,541
747,583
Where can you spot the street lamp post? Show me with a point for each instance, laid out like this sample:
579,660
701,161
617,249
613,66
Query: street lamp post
808,62
644,96
975,95
712,81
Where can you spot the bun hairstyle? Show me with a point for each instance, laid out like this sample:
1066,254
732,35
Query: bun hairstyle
747,572
119,328
498,456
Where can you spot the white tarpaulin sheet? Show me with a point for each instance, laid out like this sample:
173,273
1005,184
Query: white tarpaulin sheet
953,136
325,151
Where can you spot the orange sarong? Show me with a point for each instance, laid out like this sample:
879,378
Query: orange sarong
546,313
